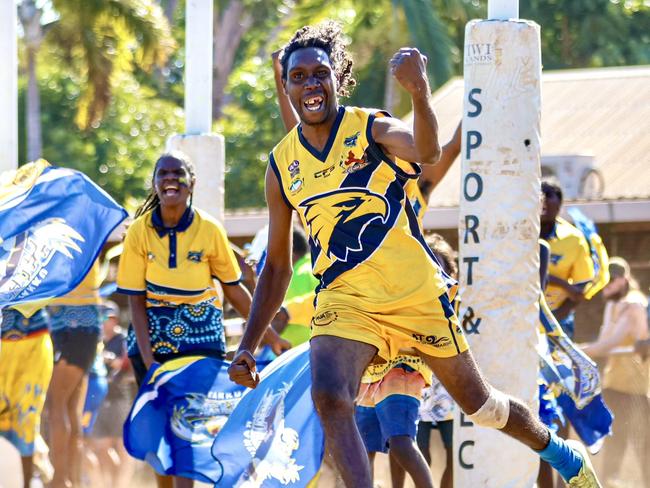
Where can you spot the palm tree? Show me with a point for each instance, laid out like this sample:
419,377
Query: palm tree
98,38
30,18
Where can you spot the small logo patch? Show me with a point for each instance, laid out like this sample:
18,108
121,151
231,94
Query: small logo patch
352,140
352,164
325,318
296,185
195,256
432,340
324,173
294,168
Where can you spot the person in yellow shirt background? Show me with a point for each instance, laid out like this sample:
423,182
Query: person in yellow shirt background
76,332
25,373
571,267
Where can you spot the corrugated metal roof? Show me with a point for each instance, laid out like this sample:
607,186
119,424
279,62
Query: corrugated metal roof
601,112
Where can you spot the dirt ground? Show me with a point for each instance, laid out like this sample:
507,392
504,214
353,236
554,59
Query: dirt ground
10,475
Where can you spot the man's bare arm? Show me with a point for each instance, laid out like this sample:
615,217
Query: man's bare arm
271,286
288,114
433,174
421,143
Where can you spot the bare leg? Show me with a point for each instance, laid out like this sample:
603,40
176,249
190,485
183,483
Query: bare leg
409,457
462,379
397,472
164,481
337,365
28,469
545,478
75,446
65,379
183,482
424,440
447,480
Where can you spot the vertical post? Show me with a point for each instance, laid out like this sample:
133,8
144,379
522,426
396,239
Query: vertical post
503,9
498,233
205,149
198,66
8,86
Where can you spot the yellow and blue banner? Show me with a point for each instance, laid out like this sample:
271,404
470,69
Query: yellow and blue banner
274,437
181,406
575,380
597,249
53,224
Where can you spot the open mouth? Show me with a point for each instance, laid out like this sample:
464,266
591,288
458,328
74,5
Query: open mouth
170,190
314,103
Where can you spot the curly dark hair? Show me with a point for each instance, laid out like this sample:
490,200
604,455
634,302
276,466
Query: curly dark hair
328,36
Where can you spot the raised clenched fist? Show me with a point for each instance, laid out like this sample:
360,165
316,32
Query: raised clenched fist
408,66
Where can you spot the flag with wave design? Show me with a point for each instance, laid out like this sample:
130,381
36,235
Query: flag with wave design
53,224
575,379
181,406
274,437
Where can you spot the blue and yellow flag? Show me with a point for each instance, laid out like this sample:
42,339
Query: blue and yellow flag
53,224
181,406
575,380
274,437
597,249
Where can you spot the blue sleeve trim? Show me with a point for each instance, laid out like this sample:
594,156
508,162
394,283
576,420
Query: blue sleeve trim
229,283
378,152
126,291
276,170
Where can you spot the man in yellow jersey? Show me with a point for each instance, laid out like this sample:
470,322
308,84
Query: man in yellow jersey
571,268
343,169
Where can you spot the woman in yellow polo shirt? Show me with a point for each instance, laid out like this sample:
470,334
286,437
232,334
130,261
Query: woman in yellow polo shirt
172,254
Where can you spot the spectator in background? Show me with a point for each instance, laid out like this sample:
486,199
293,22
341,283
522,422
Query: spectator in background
76,329
437,409
626,379
116,464
25,372
571,267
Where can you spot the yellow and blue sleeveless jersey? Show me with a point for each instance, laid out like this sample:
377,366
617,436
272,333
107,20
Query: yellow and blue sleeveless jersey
416,199
175,266
570,260
364,234
86,293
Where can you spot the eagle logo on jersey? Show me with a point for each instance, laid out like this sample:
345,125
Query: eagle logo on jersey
337,219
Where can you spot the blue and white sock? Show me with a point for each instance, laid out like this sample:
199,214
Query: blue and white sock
566,460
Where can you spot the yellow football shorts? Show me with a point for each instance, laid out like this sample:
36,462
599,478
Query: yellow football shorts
430,327
25,373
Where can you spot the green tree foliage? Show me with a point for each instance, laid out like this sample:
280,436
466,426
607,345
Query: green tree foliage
117,153
146,107
591,33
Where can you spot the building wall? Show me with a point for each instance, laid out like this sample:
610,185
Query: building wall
628,240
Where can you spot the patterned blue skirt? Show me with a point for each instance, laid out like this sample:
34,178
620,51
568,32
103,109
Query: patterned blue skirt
182,330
